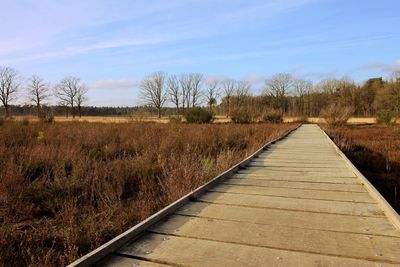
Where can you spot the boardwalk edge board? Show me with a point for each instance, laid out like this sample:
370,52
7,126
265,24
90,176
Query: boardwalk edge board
115,243
392,215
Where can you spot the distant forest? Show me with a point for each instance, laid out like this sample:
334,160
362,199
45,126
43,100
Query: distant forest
164,94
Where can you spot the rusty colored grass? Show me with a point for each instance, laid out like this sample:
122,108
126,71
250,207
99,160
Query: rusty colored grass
375,150
165,119
114,119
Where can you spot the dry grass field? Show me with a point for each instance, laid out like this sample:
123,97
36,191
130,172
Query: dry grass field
114,119
165,119
351,121
375,150
68,187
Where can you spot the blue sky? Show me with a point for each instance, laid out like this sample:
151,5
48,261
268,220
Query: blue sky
112,45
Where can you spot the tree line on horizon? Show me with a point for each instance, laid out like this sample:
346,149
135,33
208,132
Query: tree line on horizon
282,93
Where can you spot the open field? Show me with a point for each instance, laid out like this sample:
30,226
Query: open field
352,120
165,119
67,187
114,119
375,150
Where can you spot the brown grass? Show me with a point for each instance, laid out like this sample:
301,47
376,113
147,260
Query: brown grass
66,188
114,119
165,119
375,150
352,120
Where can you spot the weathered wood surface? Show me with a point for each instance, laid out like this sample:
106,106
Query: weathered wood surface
297,204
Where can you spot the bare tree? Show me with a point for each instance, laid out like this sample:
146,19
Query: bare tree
174,91
67,91
242,91
154,91
190,85
228,88
277,87
186,87
80,97
196,80
330,87
38,92
9,84
211,93
301,88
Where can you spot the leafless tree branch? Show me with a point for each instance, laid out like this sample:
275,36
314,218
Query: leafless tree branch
9,84
154,91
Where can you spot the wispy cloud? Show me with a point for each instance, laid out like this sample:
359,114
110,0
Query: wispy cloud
114,84
99,39
209,78
255,78
78,50
317,75
68,30
383,67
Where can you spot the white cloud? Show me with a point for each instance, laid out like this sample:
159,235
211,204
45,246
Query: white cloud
384,67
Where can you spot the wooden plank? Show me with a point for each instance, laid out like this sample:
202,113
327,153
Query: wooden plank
276,152
310,205
293,168
302,160
294,155
183,251
293,164
294,159
302,152
299,185
308,220
269,172
302,170
283,237
297,178
297,193
119,261
297,155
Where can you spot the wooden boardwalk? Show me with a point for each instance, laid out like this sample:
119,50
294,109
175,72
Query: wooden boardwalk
297,204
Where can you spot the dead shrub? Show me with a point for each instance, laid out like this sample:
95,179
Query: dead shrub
175,119
336,115
273,116
46,117
241,115
385,117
